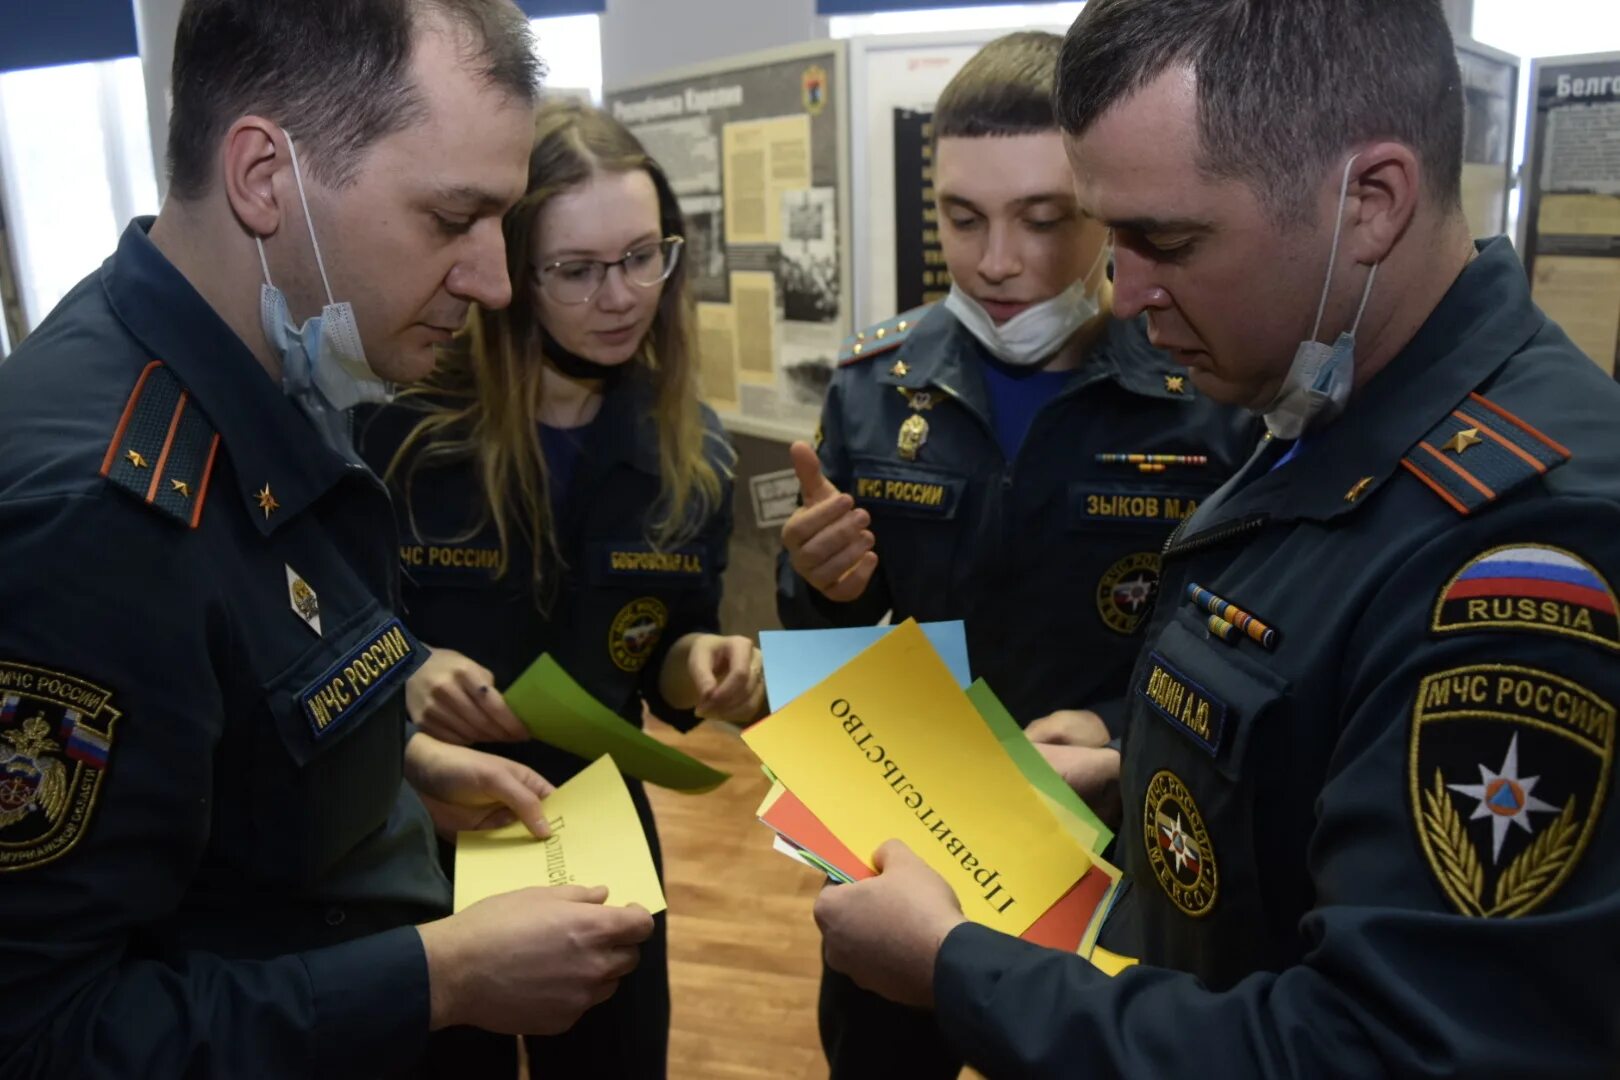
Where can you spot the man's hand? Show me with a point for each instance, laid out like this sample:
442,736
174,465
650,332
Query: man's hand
466,789
885,932
455,701
828,541
530,962
1074,743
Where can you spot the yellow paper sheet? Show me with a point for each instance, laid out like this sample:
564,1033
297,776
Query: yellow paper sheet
890,747
1110,964
1579,215
1582,295
717,355
761,160
596,839
753,299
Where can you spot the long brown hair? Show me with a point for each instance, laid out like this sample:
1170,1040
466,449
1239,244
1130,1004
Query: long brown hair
483,401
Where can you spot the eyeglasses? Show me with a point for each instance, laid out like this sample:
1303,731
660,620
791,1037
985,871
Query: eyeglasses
577,281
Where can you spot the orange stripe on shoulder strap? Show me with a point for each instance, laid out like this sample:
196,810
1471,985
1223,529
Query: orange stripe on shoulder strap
1434,485
1469,478
1520,424
202,485
123,421
168,444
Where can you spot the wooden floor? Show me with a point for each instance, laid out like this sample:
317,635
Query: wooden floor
744,954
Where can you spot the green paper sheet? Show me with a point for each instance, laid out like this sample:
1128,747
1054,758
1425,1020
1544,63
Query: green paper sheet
560,712
1068,807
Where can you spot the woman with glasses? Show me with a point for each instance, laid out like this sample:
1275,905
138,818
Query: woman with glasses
560,489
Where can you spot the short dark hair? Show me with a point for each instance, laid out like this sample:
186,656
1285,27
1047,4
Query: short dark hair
1004,89
1284,86
335,73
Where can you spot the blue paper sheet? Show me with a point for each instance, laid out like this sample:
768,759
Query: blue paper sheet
796,660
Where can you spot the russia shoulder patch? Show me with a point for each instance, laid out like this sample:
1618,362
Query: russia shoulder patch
1533,587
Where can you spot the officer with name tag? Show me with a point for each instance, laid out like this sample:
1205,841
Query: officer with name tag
1368,777
210,865
603,539
1014,457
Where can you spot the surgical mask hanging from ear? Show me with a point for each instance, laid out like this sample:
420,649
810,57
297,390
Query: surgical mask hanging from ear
1320,379
1034,335
323,364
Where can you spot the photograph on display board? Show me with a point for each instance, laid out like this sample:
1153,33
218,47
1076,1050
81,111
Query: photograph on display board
920,276
753,150
1572,234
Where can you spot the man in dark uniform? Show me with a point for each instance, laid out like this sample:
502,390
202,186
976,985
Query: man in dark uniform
1014,457
1370,751
208,860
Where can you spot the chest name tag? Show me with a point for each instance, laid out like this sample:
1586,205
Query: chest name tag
1189,707
1133,507
450,557
643,562
929,496
340,691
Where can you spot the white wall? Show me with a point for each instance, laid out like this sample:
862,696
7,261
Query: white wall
644,37
155,23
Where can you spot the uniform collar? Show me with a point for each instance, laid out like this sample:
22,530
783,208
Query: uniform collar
626,430
272,446
941,352
1484,318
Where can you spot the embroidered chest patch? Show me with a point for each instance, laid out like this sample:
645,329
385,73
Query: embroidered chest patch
371,667
635,632
1179,851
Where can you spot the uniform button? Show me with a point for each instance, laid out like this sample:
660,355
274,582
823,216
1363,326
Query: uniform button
335,916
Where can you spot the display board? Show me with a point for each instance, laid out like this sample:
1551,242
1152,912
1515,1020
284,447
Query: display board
1490,80
755,147
1571,221
895,80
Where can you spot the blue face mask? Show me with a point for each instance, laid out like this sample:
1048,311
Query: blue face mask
1320,379
323,364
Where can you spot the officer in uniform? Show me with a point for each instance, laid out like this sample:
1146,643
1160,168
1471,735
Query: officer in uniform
1014,457
1371,738
209,861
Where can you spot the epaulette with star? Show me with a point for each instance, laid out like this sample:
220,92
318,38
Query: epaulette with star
880,338
1479,453
163,449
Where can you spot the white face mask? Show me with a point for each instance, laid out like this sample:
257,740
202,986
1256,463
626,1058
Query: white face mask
323,364
1320,379
1035,334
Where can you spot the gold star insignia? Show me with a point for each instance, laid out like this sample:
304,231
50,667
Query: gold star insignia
135,459
857,349
1464,439
182,487
899,370
1176,384
267,501
1358,489
902,326
880,333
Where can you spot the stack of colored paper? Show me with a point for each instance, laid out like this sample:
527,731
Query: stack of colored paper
877,736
